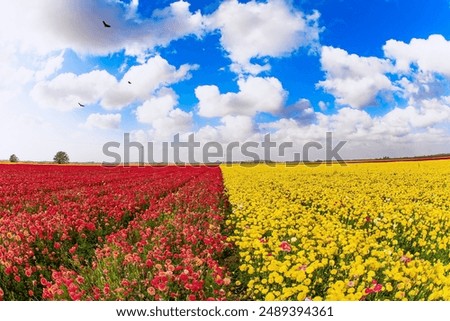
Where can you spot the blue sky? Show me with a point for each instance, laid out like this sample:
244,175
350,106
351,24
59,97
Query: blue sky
375,73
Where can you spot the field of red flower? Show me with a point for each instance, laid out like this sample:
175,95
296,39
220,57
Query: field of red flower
94,233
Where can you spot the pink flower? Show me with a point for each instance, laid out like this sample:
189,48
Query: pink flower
106,289
378,288
368,291
73,249
151,291
285,246
80,279
405,259
44,282
28,271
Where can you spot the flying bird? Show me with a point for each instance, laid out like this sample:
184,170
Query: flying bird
129,82
81,105
106,25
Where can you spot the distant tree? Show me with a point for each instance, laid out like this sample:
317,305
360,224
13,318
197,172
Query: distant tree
61,158
13,158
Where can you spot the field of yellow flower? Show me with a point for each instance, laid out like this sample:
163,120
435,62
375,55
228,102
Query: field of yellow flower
377,231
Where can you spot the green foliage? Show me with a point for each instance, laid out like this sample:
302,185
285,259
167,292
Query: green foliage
13,158
61,158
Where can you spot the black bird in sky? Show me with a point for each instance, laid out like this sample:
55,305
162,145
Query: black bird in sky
106,25
129,82
81,105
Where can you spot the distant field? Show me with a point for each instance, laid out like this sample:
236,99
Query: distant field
369,160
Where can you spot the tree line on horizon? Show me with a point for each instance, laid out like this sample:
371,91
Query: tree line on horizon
60,157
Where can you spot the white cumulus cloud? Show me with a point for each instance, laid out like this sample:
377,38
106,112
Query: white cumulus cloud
353,80
238,128
66,90
164,118
256,94
104,121
145,79
262,29
417,129
47,25
429,55
423,66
